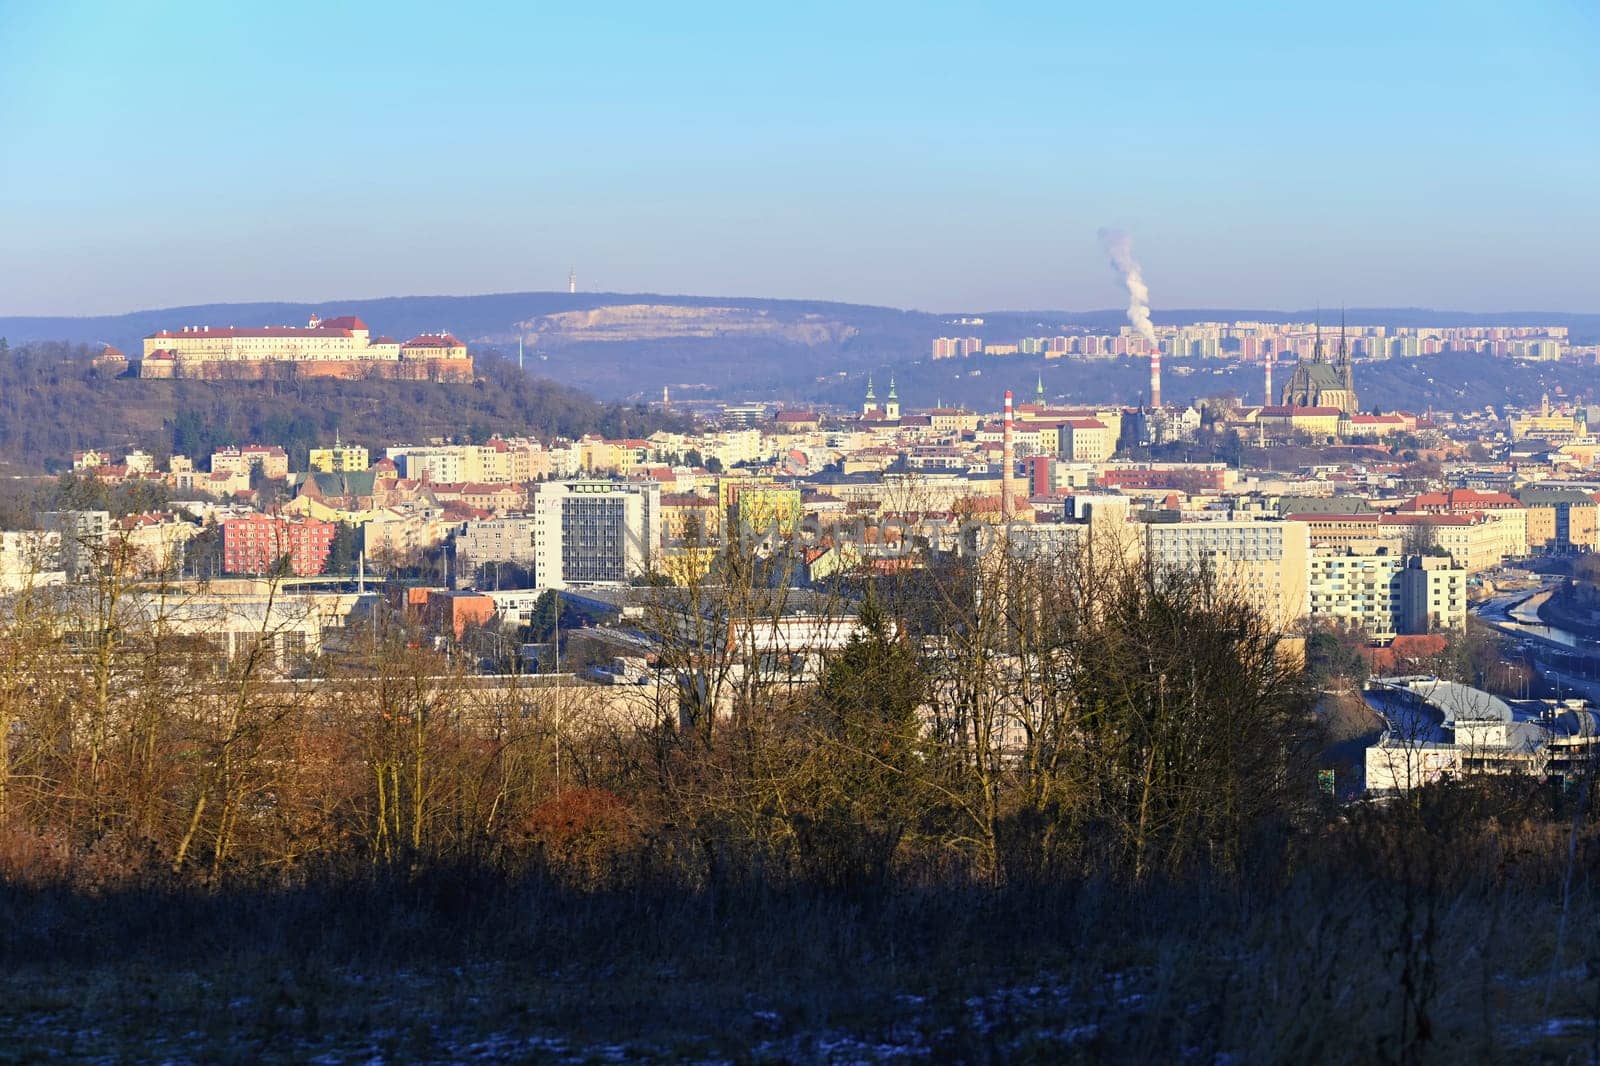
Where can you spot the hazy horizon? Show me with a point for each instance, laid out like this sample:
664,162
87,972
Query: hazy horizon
932,157
1329,314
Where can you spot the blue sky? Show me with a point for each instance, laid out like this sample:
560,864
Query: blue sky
937,156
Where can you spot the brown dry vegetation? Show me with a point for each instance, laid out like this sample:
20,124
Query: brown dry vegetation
1033,810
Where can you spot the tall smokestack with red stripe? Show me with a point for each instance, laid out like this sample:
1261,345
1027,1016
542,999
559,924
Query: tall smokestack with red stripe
1155,378
1008,459
1267,401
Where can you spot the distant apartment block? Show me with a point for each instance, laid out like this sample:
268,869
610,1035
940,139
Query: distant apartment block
1385,593
1433,594
454,464
510,539
581,532
745,414
272,460
255,544
82,537
339,459
1085,440
29,558
1263,561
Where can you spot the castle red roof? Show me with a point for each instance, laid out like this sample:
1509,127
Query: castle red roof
249,331
433,340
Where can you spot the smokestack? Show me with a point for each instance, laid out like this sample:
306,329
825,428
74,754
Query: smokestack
1155,378
1267,400
1008,502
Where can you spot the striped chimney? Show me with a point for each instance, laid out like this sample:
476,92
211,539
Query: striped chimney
1008,458
1155,378
1267,400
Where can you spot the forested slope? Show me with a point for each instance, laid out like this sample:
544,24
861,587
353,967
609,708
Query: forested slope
53,402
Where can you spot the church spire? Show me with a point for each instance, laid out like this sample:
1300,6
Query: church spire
1038,390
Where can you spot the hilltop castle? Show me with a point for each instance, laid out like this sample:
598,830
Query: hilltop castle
323,348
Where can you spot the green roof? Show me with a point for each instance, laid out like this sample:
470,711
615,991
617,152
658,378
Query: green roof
1323,505
347,483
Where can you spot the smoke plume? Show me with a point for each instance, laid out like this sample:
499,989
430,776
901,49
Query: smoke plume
1119,246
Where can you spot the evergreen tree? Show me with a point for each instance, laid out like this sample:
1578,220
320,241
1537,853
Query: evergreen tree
342,551
865,797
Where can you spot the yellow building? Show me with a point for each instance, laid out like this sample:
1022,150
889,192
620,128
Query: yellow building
687,564
1321,423
1361,589
1266,562
1474,541
1548,425
599,456
763,508
1560,519
1110,417
1433,595
339,459
687,518
1085,440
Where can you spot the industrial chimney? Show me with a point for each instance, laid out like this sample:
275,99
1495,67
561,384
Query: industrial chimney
1267,400
1155,378
1008,458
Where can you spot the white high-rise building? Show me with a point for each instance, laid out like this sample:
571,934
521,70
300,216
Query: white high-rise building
592,532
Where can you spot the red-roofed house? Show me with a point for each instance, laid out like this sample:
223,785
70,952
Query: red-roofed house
797,421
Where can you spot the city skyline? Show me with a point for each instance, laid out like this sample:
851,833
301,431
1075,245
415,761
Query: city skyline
936,160
798,533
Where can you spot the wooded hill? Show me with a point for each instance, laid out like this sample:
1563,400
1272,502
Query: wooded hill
53,402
